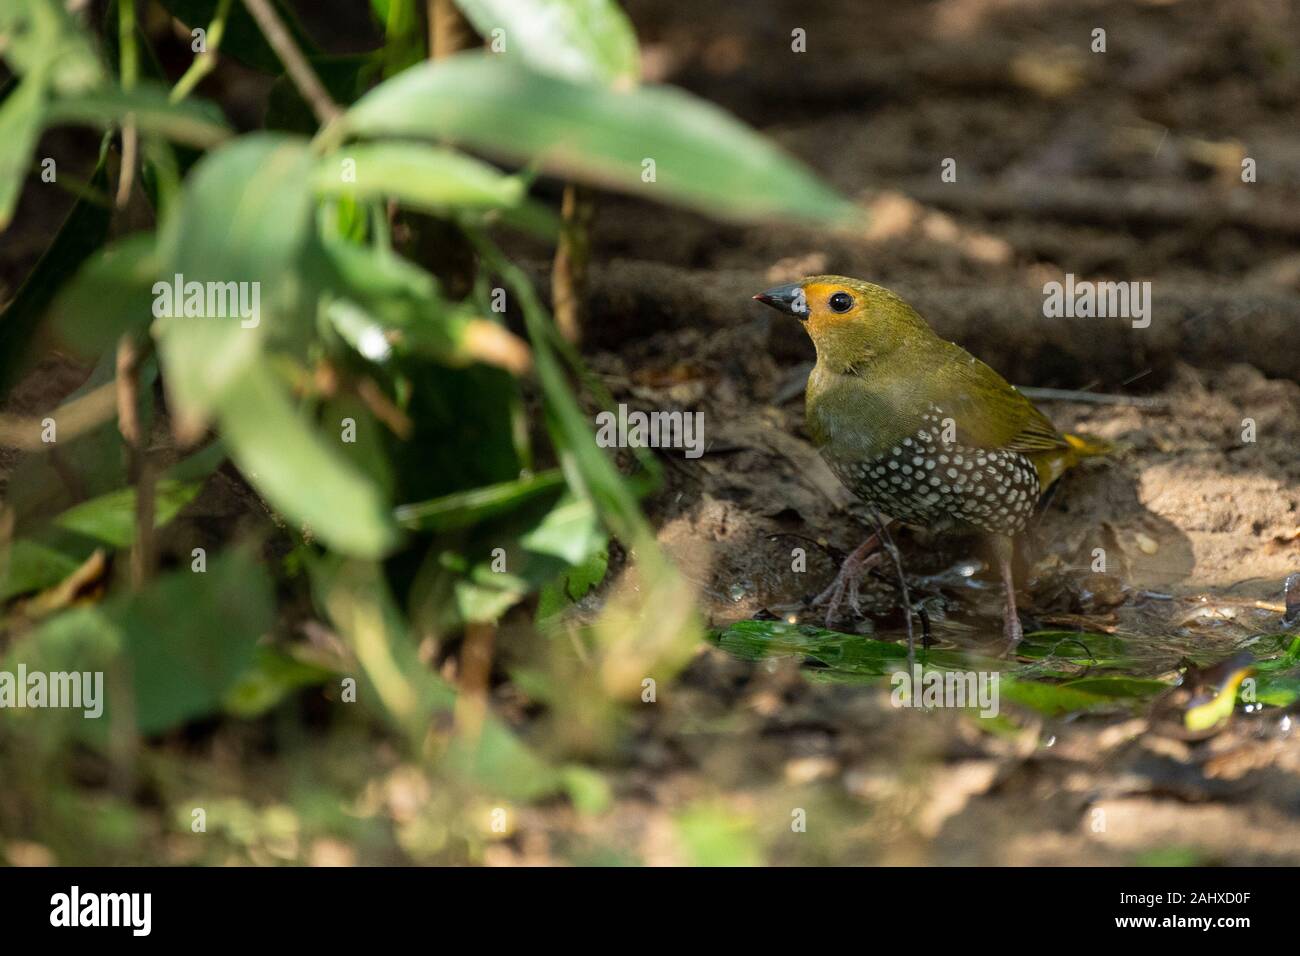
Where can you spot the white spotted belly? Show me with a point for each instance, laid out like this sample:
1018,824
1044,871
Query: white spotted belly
926,482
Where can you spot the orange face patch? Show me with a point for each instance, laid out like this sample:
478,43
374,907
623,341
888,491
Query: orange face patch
823,312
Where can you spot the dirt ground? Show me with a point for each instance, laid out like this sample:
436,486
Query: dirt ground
1118,166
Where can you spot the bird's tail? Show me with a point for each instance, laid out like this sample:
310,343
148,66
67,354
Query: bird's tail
1054,464
1082,446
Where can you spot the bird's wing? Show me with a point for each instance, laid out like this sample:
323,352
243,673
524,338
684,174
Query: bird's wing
989,412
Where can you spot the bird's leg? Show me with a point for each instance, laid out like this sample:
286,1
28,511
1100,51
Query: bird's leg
1004,549
892,550
848,578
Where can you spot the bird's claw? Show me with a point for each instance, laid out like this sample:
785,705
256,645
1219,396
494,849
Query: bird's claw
848,580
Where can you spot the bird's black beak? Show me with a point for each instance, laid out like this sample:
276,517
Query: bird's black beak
786,298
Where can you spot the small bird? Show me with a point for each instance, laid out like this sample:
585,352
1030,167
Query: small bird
919,428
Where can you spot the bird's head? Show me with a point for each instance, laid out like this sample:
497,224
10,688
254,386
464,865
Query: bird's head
852,323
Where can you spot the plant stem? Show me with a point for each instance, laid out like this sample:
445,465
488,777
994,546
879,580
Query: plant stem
295,64
566,416
206,61
129,357
128,59
474,679
128,62
449,31
569,271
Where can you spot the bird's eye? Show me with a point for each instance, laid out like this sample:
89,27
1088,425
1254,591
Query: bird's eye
841,302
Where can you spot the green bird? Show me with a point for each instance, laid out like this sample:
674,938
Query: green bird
919,428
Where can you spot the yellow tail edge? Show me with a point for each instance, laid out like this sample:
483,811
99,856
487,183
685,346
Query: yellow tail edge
1085,447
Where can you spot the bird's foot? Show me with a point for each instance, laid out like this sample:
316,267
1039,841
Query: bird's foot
848,581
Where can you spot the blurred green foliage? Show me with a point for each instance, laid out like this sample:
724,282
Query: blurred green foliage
428,465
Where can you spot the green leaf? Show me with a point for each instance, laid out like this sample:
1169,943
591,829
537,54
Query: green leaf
356,597
847,653
34,564
40,35
275,675
20,127
246,210
1278,690
500,762
587,575
421,177
110,518
587,468
1052,699
187,638
702,157
109,296
1277,671
285,457
482,593
383,306
88,465
586,41
570,532
862,658
244,223
245,217
226,609
670,631
51,550
588,790
464,509
81,234
573,586
1078,648
193,122
713,835
404,42
1135,688
563,534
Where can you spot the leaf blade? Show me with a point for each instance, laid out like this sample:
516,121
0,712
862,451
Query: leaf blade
702,157
587,41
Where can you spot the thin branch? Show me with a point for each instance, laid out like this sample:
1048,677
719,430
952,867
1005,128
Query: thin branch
128,415
449,31
129,357
383,408
126,176
206,61
77,416
474,678
569,270
295,64
1094,398
129,64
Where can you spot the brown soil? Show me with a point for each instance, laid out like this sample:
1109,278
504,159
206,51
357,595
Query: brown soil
1115,166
